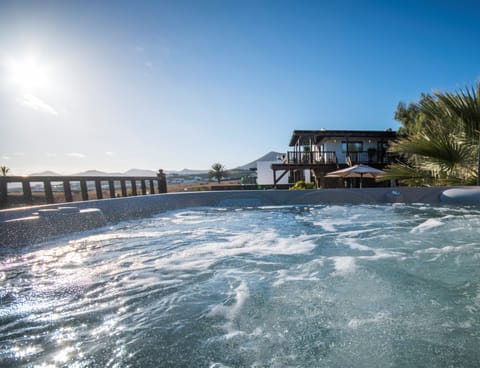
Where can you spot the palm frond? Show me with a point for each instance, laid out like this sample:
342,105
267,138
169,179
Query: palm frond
465,105
407,175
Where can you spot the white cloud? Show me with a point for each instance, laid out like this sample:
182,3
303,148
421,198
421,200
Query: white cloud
35,103
77,155
109,153
6,157
148,64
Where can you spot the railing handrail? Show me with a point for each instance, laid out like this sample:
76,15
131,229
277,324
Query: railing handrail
310,157
35,178
66,181
328,157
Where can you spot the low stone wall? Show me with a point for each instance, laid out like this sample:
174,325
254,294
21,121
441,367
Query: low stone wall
41,223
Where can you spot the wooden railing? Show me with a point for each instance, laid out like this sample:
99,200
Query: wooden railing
330,157
327,157
113,186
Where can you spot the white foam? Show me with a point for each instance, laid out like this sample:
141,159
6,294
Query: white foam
466,324
118,235
242,293
426,226
331,225
231,312
307,272
327,226
203,255
383,254
344,265
218,365
378,253
353,244
355,323
236,333
447,249
283,277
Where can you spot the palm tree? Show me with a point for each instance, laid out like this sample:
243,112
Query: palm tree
4,170
217,171
465,107
443,148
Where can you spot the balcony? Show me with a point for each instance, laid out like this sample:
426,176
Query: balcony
311,158
331,158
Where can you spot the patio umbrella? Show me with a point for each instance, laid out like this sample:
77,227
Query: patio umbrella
356,171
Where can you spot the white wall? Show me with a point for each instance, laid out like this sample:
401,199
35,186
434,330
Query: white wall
265,173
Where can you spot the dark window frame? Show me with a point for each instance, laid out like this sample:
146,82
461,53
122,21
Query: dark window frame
353,146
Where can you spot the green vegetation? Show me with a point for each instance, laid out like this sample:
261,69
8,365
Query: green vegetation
299,185
439,140
217,171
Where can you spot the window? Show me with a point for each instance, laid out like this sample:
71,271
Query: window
352,146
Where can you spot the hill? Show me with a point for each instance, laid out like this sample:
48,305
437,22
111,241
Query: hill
192,172
131,172
95,173
270,156
140,172
46,173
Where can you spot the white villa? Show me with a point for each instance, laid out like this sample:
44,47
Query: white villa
315,153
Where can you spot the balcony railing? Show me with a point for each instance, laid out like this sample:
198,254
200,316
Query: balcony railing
311,158
330,157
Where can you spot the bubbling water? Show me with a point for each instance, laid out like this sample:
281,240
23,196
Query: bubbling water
295,286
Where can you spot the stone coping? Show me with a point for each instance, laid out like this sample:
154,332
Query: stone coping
40,223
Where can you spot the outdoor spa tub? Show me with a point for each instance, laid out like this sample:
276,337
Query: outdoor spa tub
327,278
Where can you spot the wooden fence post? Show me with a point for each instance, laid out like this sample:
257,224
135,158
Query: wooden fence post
67,189
124,187
111,186
134,187
162,182
3,193
152,187
84,190
47,188
98,189
27,192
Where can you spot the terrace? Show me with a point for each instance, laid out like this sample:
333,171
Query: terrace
317,152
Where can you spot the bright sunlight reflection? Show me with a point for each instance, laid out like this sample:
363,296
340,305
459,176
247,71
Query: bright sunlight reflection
28,73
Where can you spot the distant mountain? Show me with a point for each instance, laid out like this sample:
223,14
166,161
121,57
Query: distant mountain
131,172
140,172
95,173
46,173
191,172
270,156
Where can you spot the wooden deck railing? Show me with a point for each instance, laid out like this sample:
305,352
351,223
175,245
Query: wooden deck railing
114,186
327,157
330,157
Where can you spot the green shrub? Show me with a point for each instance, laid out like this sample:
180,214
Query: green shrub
299,185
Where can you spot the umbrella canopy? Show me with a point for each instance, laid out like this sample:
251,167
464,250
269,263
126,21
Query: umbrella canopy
356,171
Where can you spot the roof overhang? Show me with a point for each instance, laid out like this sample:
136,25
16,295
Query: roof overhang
304,137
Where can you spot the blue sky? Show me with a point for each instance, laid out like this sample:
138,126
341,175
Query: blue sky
113,85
